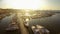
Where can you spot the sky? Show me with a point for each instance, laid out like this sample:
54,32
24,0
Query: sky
31,4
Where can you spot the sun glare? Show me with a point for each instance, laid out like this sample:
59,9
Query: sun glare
25,4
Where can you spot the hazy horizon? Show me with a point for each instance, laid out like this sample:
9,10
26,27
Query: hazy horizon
31,4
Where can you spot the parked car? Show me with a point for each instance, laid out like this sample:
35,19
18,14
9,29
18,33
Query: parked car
26,22
37,29
9,24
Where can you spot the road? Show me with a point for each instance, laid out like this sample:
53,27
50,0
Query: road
22,28
6,21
